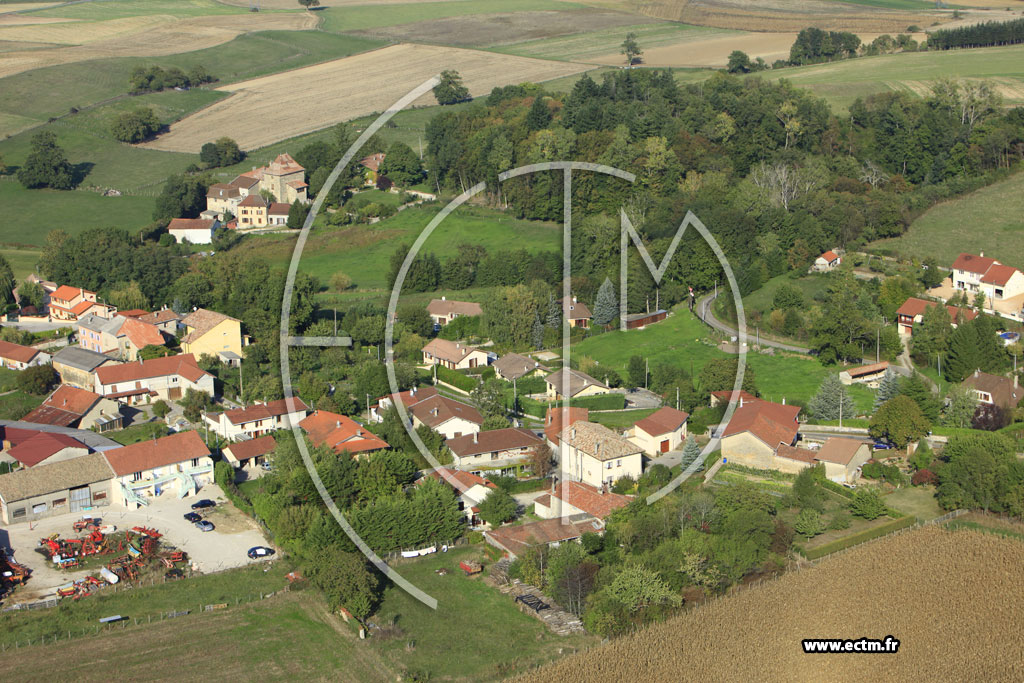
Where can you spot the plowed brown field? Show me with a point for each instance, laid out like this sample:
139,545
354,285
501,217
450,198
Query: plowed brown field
953,599
265,110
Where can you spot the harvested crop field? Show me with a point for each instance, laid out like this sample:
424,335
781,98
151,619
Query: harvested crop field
711,50
265,110
137,37
789,15
481,30
952,599
19,6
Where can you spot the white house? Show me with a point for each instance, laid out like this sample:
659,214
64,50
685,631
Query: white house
571,498
977,273
470,489
661,431
178,464
165,378
193,230
449,418
830,260
258,419
408,398
572,383
18,357
453,355
596,455
442,311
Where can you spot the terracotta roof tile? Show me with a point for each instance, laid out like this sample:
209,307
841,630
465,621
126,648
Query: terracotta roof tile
516,539
253,448
599,442
141,334
202,321
448,307
17,352
578,381
553,421
492,440
514,366
663,421
772,423
872,369
183,365
146,455
437,410
64,406
41,446
262,411
998,274
340,433
839,451
972,263
453,352
589,499
68,293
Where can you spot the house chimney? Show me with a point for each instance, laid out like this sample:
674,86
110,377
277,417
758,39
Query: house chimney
572,434
444,298
337,423
359,432
597,448
476,437
433,411
981,253
977,371
741,401
1015,382
412,392
574,298
783,400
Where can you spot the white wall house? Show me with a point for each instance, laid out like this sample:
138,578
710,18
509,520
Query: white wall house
167,378
660,432
259,419
596,455
178,465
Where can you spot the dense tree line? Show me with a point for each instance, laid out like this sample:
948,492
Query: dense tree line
978,35
155,78
814,46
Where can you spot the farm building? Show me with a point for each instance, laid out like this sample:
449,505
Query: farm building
30,448
251,454
447,417
576,312
501,451
569,498
167,378
442,311
77,366
830,260
513,366
70,406
596,455
756,432
865,374
178,464
551,532
453,355
994,389
212,333
407,398
193,230
660,432
67,486
638,321
340,433
258,419
18,357
572,383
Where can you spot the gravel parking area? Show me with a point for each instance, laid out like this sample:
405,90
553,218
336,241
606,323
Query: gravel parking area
222,548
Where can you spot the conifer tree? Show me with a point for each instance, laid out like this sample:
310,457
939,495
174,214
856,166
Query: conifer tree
831,395
606,308
887,388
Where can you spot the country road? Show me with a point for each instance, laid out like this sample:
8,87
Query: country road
708,317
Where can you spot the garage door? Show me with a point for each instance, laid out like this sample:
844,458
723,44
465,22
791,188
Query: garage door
664,446
80,498
174,393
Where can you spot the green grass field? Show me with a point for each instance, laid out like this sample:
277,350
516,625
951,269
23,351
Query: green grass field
341,19
117,9
363,251
918,501
18,404
761,299
8,379
606,41
23,261
951,227
682,339
840,83
486,623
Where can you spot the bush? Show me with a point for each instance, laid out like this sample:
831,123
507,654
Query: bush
37,380
924,477
840,520
858,538
456,379
135,126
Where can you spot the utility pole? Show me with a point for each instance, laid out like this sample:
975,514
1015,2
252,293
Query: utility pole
335,321
645,373
367,407
677,398
241,387
840,410
515,396
757,331
878,336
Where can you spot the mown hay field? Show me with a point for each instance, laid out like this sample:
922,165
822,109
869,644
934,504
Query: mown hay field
584,46
952,599
264,110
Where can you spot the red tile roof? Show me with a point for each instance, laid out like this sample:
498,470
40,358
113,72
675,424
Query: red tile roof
492,440
63,407
914,307
410,397
161,316
373,161
663,421
279,209
589,499
872,369
437,410
246,450
840,451
147,455
141,334
973,263
340,433
262,411
466,480
830,256
253,200
553,421
83,306
67,293
772,423
726,396
17,352
202,321
183,365
516,539
133,313
41,446
799,454
998,274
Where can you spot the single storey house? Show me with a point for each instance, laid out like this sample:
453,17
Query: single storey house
572,383
660,432
407,398
447,417
514,540
193,230
513,366
453,355
756,431
251,454
503,451
341,433
576,312
830,260
442,311
596,455
18,357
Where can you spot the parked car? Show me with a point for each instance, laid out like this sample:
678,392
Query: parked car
193,517
203,525
881,445
259,551
203,504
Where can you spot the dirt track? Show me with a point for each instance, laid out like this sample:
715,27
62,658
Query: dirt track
265,110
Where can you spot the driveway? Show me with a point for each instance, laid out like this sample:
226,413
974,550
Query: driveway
211,551
642,398
706,314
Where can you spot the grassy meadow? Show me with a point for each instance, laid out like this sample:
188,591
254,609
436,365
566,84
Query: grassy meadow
342,19
682,339
951,227
602,42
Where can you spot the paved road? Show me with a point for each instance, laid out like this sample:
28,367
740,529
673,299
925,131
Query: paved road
38,325
704,311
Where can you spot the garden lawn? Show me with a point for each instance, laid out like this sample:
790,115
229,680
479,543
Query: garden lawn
18,404
620,419
23,261
493,636
683,340
918,501
8,379
138,432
